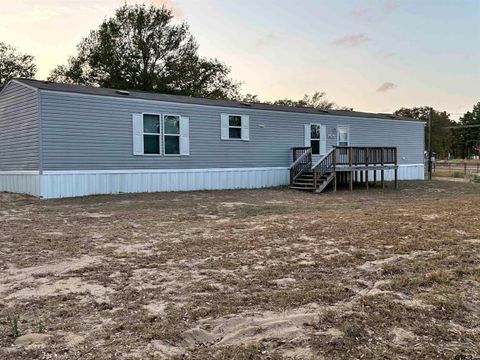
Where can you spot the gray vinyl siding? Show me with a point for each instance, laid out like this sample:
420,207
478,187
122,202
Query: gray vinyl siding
19,130
85,132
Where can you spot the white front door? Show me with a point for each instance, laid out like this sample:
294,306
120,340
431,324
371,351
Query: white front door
316,138
343,135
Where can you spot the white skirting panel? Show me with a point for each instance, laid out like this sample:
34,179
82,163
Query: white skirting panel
405,172
22,182
58,184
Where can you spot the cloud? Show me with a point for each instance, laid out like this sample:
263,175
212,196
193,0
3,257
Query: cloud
265,40
389,6
385,54
35,14
374,10
386,86
350,40
361,13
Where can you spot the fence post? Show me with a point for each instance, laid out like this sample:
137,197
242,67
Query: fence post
465,169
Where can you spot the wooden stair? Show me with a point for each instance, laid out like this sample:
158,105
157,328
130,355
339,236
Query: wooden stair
341,164
305,181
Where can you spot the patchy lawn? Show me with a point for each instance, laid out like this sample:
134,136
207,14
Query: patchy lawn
250,274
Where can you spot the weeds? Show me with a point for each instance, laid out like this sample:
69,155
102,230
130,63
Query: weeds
14,330
40,327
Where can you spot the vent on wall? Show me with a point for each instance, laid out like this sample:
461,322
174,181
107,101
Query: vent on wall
122,92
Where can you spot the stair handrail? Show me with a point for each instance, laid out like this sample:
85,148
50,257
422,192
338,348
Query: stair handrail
323,158
305,154
301,164
322,166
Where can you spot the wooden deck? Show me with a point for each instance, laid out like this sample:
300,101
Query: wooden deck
342,165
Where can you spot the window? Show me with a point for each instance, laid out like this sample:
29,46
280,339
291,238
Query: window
151,134
235,127
343,135
315,138
171,133
148,130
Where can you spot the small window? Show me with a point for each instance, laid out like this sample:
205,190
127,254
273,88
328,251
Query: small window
343,136
315,138
171,129
235,127
151,134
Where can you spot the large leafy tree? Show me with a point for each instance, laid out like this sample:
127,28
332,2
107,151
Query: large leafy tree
15,64
467,134
442,137
141,48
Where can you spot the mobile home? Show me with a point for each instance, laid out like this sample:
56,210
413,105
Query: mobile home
63,140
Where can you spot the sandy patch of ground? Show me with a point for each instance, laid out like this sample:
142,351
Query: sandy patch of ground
62,287
247,274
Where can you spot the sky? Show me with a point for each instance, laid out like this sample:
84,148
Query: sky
371,55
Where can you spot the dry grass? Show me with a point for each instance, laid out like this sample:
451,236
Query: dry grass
258,274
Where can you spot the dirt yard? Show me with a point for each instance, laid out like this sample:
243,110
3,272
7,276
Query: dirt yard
257,274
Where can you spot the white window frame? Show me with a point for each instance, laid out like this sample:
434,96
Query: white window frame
235,127
225,127
158,134
347,127
319,138
179,134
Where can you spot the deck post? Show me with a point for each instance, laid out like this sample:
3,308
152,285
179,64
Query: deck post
335,181
367,160
374,177
361,177
382,173
350,173
396,167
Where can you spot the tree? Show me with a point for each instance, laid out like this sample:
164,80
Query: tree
442,137
140,48
249,98
14,64
317,100
467,134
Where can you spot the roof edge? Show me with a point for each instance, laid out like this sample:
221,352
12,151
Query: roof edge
96,91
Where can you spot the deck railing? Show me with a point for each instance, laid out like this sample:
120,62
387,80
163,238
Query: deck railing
301,161
340,156
355,155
